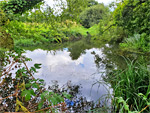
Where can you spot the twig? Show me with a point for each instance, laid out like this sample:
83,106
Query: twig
28,70
9,96
50,107
144,108
35,98
9,69
108,27
2,82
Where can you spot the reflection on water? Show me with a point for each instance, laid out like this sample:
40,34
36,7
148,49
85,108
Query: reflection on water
59,66
79,63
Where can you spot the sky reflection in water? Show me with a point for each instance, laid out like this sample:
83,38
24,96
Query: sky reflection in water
58,65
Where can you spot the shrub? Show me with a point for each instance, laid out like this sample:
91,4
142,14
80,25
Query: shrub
137,42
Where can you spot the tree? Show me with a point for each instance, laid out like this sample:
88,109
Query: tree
134,16
73,9
91,3
92,15
19,6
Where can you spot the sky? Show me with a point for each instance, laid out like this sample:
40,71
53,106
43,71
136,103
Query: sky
106,2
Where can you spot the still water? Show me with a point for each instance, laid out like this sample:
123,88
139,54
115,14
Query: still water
79,64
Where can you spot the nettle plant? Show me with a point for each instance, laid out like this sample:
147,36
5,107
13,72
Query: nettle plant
20,91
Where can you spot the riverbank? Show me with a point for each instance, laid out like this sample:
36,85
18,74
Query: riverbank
32,34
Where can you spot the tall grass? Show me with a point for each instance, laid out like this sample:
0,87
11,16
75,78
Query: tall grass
129,84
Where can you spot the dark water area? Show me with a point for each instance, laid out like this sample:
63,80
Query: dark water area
78,63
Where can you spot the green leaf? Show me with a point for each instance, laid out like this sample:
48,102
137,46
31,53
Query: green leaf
28,59
44,94
41,80
51,93
28,85
68,96
37,66
25,75
53,100
120,100
32,92
33,69
140,94
144,98
7,31
59,98
27,94
40,105
126,107
35,85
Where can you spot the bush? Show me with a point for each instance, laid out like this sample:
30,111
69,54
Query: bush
137,42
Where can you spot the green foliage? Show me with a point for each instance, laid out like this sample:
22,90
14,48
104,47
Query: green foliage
32,33
3,18
5,39
137,42
91,3
109,32
92,15
27,34
27,94
40,15
124,107
73,9
133,16
128,84
29,91
19,6
130,19
78,29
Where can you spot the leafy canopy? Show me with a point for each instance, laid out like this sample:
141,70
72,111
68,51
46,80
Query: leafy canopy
92,15
134,16
19,6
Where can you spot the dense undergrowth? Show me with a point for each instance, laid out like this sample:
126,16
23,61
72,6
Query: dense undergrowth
28,34
31,34
21,92
131,88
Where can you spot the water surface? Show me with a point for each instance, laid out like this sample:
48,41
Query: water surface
80,64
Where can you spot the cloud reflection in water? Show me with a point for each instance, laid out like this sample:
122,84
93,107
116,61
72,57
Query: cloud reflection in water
58,65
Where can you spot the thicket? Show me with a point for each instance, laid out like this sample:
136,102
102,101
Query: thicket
133,16
128,25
